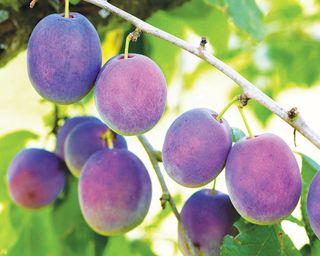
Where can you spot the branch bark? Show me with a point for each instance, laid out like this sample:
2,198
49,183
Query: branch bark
166,196
249,89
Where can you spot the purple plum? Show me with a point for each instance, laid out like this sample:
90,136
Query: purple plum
130,94
66,128
196,147
263,179
64,57
207,217
313,204
86,139
114,191
35,178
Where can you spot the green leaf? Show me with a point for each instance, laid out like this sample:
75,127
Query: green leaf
247,16
73,233
237,134
255,240
4,15
308,170
10,3
75,1
120,246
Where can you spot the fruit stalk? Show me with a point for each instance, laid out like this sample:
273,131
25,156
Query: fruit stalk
245,122
126,49
219,116
165,191
66,9
250,89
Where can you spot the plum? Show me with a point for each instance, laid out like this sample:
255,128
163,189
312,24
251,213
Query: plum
84,140
263,179
207,217
66,128
313,204
114,191
130,94
64,57
35,178
196,147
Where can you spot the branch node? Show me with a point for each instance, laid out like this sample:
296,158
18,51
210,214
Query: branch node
135,34
293,113
243,100
203,42
164,199
33,3
158,155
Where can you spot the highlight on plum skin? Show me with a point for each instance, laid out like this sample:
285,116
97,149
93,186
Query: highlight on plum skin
263,179
35,178
86,139
130,94
196,147
64,57
207,218
66,128
114,191
313,204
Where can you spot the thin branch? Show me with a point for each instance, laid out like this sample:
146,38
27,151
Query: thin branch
248,88
166,197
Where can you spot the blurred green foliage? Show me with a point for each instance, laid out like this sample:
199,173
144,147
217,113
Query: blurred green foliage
272,43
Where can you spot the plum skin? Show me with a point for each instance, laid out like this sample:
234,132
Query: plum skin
35,178
313,205
196,147
84,140
130,94
114,191
207,217
64,57
66,128
263,179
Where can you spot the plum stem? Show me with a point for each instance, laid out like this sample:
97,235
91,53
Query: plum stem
66,9
234,99
126,49
108,137
214,186
166,196
245,122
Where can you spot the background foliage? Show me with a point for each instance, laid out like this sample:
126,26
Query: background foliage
275,44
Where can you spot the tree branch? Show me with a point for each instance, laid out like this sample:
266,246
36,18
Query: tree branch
248,88
166,197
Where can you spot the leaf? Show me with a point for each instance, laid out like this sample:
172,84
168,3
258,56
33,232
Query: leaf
247,16
73,233
237,134
308,170
10,3
256,240
4,15
75,1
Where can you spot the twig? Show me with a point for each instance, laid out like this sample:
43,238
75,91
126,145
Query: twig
248,88
166,197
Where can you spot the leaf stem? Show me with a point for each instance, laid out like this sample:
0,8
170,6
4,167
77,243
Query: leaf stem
166,197
245,122
66,9
219,116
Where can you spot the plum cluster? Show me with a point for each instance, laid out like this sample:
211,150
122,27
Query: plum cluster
114,185
64,63
262,176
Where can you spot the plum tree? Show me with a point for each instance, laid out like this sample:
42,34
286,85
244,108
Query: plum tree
313,204
64,57
130,94
207,217
64,130
114,191
86,139
35,178
196,147
263,179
